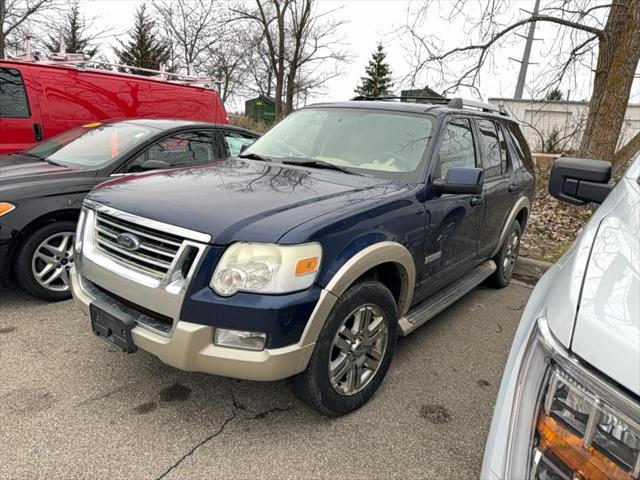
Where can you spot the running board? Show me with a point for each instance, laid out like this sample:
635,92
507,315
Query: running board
430,307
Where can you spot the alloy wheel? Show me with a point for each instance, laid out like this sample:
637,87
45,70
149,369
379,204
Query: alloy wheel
358,349
51,260
511,255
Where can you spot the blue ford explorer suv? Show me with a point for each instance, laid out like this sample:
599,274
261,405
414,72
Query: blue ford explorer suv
344,226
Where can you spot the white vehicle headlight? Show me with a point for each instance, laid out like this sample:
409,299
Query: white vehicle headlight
567,421
266,268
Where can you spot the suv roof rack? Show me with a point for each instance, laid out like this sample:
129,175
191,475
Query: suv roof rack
81,61
409,98
449,102
483,107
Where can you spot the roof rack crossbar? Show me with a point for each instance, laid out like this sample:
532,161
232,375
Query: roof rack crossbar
439,100
484,107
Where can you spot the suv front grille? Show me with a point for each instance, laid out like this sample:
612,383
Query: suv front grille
155,254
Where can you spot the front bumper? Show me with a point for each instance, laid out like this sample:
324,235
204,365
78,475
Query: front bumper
7,244
190,346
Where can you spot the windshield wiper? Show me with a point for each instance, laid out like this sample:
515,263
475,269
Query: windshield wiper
51,162
319,164
254,156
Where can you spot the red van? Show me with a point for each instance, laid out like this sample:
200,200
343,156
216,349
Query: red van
41,99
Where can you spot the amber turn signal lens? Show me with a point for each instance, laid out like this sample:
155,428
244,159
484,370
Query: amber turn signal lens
306,266
6,207
588,463
92,124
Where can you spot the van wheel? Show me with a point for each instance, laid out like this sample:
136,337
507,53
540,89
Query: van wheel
507,257
42,261
353,352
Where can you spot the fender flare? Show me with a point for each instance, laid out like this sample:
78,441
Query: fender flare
354,268
523,202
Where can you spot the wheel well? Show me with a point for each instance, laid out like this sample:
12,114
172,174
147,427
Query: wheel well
522,217
389,274
58,215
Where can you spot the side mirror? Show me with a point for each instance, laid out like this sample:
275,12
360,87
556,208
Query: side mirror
460,180
579,181
154,165
243,147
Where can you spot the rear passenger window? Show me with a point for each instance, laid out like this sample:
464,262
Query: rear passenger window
235,141
457,148
494,153
520,145
13,97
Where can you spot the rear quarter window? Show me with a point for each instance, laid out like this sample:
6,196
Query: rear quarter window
13,96
520,145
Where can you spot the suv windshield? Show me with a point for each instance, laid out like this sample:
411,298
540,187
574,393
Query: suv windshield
380,143
90,146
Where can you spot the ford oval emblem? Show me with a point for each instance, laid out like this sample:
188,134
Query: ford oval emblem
128,241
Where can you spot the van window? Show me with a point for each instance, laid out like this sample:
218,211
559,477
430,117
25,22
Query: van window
13,96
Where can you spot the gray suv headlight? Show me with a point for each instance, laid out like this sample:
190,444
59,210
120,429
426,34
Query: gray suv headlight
567,421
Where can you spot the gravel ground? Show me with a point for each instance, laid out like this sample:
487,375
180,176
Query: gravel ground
72,407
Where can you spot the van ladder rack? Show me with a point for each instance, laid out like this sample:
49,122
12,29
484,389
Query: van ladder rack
81,61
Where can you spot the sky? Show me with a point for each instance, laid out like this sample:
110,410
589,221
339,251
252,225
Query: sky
373,21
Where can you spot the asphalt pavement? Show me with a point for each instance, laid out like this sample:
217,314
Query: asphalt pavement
73,407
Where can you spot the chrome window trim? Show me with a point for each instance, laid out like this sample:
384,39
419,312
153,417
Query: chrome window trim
154,224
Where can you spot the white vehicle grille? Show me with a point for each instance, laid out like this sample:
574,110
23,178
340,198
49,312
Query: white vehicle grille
155,254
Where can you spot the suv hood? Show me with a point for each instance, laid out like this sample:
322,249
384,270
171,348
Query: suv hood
607,327
237,199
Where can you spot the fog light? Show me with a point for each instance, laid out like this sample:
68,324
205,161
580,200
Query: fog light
240,339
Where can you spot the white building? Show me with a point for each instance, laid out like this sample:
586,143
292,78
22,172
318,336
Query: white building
560,122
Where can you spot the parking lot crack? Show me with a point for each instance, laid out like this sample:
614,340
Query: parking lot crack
236,406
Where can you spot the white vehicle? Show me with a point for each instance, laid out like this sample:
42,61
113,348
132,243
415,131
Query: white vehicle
569,402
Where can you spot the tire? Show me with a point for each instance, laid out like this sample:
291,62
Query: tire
507,256
371,358
53,241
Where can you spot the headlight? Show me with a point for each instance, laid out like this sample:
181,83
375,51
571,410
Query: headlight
266,268
569,423
6,207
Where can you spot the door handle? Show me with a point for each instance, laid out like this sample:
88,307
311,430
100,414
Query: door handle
512,187
475,201
37,132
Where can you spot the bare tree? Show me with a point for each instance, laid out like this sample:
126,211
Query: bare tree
16,16
297,39
610,31
193,28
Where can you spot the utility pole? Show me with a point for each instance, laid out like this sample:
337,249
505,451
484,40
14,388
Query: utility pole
524,64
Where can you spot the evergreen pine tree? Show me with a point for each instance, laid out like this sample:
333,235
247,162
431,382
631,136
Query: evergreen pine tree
143,49
72,34
377,82
554,94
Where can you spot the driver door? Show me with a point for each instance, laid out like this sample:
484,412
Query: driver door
454,220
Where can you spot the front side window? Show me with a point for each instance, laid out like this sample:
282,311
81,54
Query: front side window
13,96
457,148
92,146
381,143
180,150
235,141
